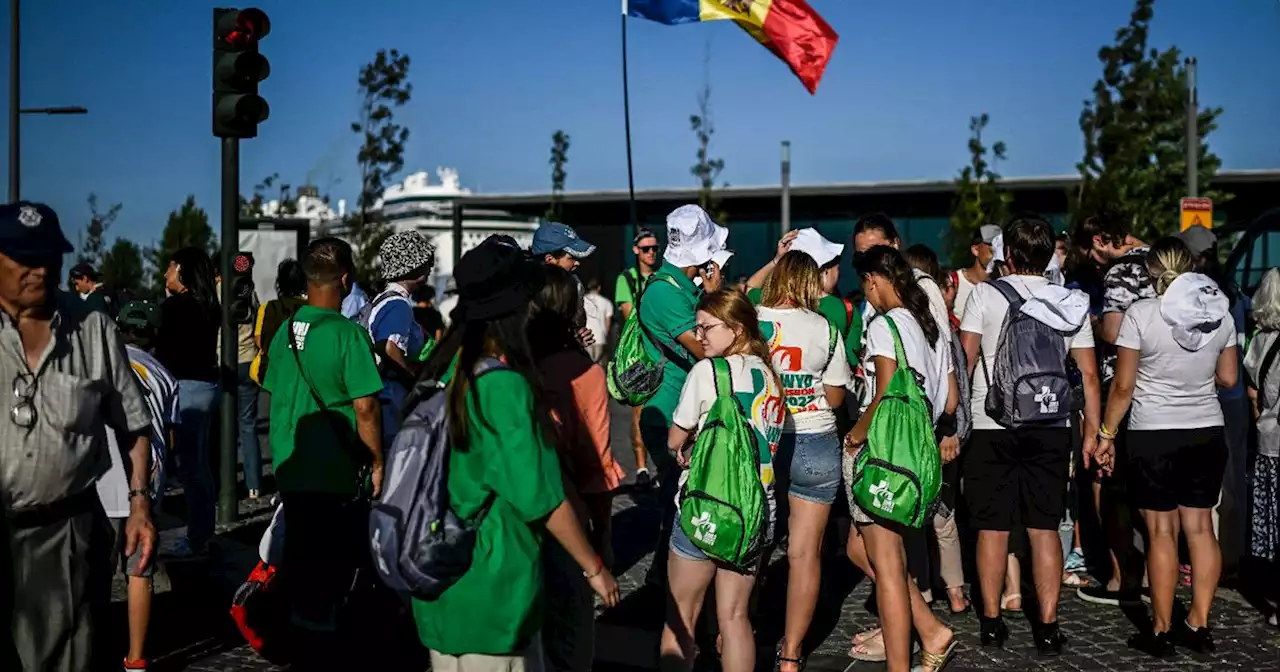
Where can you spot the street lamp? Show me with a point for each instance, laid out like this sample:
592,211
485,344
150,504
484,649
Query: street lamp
15,109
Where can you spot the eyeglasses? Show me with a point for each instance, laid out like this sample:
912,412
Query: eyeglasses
24,412
647,249
700,330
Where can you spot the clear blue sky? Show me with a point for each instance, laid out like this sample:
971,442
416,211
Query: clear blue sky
494,79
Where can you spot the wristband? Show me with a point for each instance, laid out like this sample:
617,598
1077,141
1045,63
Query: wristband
591,575
1103,433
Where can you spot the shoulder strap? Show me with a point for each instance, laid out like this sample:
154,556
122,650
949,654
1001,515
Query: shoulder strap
831,342
1267,361
723,379
667,352
1009,293
898,350
849,313
632,277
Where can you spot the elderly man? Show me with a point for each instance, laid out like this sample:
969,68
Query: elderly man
70,383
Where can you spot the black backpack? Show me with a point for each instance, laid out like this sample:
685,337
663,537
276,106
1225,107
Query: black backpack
242,308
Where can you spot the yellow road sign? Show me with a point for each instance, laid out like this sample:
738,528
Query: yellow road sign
1197,212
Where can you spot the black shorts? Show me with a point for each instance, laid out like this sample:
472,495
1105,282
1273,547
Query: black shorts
1169,468
1017,478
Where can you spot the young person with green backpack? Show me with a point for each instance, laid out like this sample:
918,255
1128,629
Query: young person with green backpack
893,461
732,403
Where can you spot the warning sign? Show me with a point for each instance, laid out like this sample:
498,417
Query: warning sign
1197,212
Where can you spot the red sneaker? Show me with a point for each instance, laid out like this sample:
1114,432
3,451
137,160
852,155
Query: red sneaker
139,665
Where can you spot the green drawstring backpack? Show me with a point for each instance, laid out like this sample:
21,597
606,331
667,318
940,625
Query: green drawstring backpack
723,506
896,476
632,375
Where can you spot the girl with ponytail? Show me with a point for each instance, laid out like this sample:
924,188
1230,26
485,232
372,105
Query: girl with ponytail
880,546
726,327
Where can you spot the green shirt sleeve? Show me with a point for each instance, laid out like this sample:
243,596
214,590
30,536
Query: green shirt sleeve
359,371
525,470
849,325
667,311
622,290
754,294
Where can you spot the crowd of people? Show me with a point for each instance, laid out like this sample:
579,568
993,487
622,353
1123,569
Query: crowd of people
1060,383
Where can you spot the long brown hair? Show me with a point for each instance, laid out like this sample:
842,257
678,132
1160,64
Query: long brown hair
795,279
737,313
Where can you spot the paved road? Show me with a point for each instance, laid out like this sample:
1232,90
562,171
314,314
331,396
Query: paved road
191,631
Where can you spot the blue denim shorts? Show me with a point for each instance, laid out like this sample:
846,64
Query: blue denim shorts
807,466
682,546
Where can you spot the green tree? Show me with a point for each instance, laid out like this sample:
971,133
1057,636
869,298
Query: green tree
187,226
99,221
979,198
122,268
1135,133
257,204
384,84
559,157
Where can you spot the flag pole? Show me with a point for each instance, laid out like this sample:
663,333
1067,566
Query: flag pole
626,116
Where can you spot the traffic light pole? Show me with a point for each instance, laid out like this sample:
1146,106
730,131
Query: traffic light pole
228,494
15,105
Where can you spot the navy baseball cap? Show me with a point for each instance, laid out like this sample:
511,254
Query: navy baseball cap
139,315
553,237
29,232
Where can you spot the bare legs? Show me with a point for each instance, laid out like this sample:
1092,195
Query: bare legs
1162,563
807,523
688,581
900,602
1046,566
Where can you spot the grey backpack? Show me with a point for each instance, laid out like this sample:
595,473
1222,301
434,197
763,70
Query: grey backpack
964,413
420,546
1030,385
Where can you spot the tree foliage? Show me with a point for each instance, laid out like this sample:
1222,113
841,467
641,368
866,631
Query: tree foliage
187,226
559,158
1135,144
979,198
91,244
707,170
122,268
384,84
256,205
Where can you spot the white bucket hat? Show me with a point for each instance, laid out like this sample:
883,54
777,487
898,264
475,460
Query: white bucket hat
692,238
821,250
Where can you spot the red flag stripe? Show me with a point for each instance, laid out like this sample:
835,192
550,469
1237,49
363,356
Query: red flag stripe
801,38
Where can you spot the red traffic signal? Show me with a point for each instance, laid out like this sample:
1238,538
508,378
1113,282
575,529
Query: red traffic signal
241,29
237,69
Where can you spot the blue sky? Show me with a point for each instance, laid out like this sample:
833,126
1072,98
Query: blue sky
494,79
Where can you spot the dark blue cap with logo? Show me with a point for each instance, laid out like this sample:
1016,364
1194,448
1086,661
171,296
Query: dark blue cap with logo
554,237
29,232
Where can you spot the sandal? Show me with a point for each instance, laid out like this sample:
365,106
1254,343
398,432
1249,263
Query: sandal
871,647
778,660
967,604
935,662
1007,599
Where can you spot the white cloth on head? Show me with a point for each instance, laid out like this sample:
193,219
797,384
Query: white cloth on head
692,238
1193,306
821,250
1052,271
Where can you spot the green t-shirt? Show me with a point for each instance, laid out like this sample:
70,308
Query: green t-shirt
307,453
622,290
496,606
839,315
668,309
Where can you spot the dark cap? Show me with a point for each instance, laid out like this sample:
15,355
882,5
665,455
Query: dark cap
139,315
30,234
1198,239
84,270
495,279
641,235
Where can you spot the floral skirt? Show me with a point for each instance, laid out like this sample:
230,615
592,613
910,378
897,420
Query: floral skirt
1265,518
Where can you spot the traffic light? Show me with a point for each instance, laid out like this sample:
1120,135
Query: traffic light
237,69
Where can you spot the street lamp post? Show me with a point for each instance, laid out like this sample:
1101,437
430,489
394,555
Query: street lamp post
16,110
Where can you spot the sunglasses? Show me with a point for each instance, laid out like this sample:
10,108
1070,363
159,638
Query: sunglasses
648,249
24,413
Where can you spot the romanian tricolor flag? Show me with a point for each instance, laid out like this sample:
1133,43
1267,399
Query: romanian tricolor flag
789,28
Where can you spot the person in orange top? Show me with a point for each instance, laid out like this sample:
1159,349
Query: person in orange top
580,408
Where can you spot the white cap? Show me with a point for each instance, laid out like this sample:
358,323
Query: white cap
821,250
721,258
692,238
1052,271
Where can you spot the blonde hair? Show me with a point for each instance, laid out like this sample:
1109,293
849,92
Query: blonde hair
1266,301
795,279
737,313
1167,259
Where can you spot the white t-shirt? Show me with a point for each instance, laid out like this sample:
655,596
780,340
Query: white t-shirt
937,304
1175,388
160,392
802,350
931,364
963,288
598,309
1268,427
984,314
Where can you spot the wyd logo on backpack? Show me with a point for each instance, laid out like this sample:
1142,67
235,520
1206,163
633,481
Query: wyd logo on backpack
897,475
723,507
633,375
1030,384
420,546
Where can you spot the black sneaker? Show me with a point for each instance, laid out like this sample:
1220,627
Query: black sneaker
643,480
1199,640
1155,644
1098,594
993,631
1049,639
